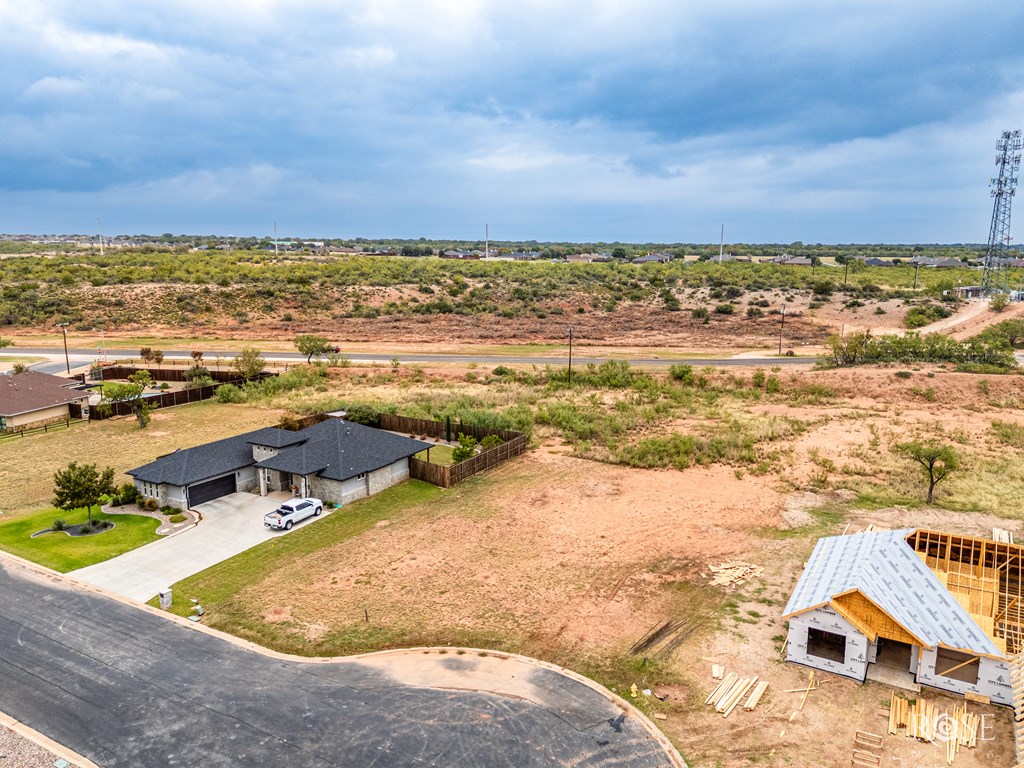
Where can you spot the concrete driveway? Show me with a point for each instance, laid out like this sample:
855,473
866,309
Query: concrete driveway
230,524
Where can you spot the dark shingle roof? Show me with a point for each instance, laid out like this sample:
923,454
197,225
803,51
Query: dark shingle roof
191,465
34,391
274,437
338,450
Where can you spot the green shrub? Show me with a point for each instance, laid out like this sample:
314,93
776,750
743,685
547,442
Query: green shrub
700,313
502,370
925,314
229,393
167,510
177,518
754,312
151,504
758,378
681,372
490,441
724,309
772,385
59,525
466,449
903,374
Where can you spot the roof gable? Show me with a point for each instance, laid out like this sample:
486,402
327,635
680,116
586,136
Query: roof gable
886,570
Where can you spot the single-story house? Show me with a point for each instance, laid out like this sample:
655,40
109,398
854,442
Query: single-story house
33,399
335,460
911,607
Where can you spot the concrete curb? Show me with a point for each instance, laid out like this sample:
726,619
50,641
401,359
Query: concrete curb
627,708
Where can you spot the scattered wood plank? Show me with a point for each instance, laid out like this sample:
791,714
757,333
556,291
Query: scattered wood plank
717,671
731,573
867,759
977,697
723,686
867,739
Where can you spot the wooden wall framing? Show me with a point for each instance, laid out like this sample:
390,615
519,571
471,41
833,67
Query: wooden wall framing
985,576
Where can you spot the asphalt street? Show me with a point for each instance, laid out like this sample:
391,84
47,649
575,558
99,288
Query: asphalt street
85,356
127,688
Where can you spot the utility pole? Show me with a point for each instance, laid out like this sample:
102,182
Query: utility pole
276,253
67,360
487,240
846,272
917,268
99,223
781,326
721,244
570,355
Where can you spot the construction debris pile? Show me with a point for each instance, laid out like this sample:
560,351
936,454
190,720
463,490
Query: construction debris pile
733,573
921,720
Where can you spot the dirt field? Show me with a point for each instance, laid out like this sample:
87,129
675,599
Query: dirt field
575,561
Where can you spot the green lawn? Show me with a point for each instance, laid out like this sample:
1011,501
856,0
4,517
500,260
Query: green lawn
66,553
439,454
217,585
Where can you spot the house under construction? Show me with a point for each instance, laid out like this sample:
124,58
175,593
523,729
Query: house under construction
914,607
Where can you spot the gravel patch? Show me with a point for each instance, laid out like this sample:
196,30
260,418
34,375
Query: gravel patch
18,752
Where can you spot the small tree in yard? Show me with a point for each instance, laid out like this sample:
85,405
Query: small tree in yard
999,302
249,363
465,450
131,393
312,345
937,461
81,486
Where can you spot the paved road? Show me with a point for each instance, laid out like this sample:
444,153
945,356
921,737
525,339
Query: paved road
127,688
85,356
230,525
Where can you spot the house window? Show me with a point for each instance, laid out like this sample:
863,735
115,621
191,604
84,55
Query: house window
956,665
826,645
361,476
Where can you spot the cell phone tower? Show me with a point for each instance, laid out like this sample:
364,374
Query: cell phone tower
996,278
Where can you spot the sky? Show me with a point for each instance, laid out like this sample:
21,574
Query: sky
863,121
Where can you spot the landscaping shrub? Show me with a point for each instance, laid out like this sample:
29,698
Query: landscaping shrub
490,441
165,510
128,493
466,448
151,505
59,525
177,518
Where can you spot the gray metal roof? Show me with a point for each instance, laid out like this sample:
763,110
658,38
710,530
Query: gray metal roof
338,450
884,567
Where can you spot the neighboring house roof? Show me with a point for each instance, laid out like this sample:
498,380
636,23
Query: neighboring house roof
192,465
886,570
338,450
33,391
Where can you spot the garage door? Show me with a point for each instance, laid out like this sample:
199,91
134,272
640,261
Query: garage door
211,489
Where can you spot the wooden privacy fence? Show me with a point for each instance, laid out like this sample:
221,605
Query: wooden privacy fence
446,476
170,374
442,430
163,400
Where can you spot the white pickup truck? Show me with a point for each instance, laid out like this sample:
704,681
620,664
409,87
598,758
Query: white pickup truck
292,512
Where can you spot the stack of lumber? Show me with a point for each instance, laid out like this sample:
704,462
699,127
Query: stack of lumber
733,572
924,722
731,691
